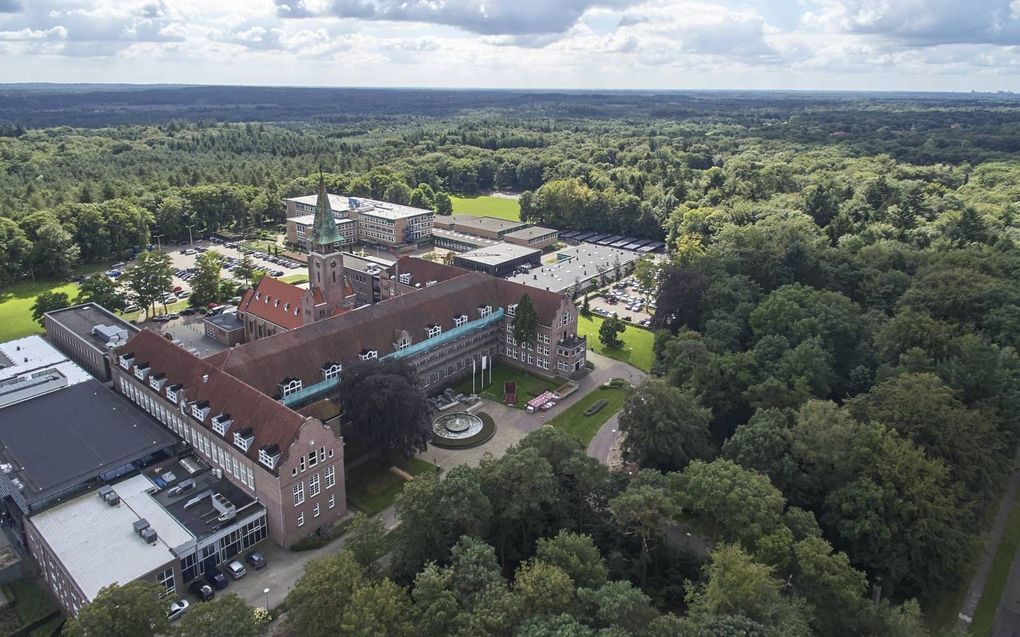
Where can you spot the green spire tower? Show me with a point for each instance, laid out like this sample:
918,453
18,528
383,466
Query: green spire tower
324,232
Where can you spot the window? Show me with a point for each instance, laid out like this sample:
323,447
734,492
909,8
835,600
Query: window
484,310
543,338
331,371
511,309
141,371
200,410
312,459
433,331
330,477
221,424
313,486
299,493
166,578
126,360
459,320
269,456
290,386
300,519
315,511
243,439
332,501
368,355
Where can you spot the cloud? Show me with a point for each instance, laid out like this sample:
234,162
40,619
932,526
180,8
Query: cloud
293,9
486,17
925,22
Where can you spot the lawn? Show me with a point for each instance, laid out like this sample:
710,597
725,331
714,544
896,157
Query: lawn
582,427
16,301
984,616
638,343
485,206
373,487
528,385
295,278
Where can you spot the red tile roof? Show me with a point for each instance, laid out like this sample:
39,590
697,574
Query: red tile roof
301,353
272,422
276,302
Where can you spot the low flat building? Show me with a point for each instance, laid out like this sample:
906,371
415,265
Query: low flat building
579,268
86,333
458,241
226,329
534,237
499,259
164,526
485,227
62,432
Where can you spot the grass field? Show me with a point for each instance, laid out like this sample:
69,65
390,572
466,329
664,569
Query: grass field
984,616
485,206
16,306
582,427
375,488
528,385
638,343
295,278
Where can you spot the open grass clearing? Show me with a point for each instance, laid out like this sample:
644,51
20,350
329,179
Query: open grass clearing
577,424
487,206
638,343
528,385
373,487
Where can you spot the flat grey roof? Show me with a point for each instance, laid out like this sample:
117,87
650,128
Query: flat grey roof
97,543
498,253
469,239
226,321
80,319
530,233
579,263
200,519
77,433
491,224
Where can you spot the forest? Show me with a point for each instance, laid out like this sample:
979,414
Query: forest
834,404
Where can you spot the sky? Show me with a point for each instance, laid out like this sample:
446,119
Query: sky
929,45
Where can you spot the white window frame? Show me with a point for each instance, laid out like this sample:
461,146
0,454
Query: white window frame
313,486
330,477
298,491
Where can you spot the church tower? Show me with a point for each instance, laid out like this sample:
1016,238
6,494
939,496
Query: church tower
325,259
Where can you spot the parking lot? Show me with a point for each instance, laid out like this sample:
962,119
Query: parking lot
626,301
184,258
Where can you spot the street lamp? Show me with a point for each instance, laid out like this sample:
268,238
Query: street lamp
266,591
191,239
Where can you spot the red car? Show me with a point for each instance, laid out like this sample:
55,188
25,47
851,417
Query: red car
177,289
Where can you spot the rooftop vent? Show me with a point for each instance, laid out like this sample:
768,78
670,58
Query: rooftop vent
185,485
140,525
149,535
108,495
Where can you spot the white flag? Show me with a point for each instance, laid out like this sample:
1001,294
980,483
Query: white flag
485,360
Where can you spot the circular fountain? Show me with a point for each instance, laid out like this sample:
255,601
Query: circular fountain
461,430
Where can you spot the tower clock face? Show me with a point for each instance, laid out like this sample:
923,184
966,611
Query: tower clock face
332,263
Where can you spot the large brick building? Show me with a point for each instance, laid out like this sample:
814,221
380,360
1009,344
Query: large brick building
291,463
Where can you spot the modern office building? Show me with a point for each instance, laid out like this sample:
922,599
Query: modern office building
533,237
485,227
499,259
394,226
579,268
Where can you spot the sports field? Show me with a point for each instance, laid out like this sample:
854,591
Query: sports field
486,206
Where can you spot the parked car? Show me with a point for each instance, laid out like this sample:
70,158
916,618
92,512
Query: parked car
177,609
173,315
162,318
202,591
216,578
235,569
256,559
183,294
188,311
132,308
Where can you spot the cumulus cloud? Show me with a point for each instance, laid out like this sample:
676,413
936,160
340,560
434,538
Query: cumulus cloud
926,22
487,17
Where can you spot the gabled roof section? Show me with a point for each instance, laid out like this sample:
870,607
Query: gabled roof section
271,421
274,301
423,271
300,353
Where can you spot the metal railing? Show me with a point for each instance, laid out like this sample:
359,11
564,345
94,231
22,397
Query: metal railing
324,387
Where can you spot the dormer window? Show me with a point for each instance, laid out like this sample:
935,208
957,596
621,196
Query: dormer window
286,307
141,371
258,295
244,438
221,423
368,354
484,310
266,300
405,278
199,410
157,381
126,360
171,392
511,309
431,283
290,386
330,370
269,455
276,303
433,331
459,320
